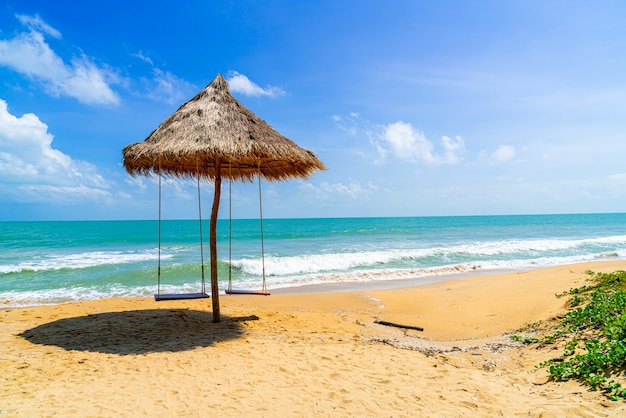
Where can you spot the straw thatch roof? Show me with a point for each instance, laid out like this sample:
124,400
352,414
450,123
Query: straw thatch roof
215,126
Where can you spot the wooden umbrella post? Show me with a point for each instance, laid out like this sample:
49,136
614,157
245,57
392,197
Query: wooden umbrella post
213,241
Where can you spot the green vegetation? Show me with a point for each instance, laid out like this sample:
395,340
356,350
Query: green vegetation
594,336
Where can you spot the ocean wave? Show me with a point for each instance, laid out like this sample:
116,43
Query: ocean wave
20,299
505,252
80,261
422,275
132,272
510,247
427,274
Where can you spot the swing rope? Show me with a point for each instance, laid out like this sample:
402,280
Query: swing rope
264,287
203,287
230,234
159,251
173,296
229,290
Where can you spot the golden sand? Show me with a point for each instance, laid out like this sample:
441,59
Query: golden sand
299,355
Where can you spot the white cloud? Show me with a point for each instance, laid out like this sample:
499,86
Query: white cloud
50,193
161,85
353,189
453,148
406,143
503,153
403,141
181,189
31,169
349,125
618,177
35,23
166,87
136,181
143,57
29,54
239,83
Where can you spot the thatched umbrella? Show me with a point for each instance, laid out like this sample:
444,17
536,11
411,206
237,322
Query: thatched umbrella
214,136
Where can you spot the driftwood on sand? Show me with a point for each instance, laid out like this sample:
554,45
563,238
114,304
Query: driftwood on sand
393,324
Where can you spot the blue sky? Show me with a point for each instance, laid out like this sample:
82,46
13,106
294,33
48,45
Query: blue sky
417,108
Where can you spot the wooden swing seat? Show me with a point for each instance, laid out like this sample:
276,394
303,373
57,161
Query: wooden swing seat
180,296
248,292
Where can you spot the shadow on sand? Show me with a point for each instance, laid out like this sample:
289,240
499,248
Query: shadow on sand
138,332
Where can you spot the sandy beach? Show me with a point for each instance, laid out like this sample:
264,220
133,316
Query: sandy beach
313,354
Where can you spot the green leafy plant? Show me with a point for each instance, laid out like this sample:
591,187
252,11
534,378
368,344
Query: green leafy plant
594,336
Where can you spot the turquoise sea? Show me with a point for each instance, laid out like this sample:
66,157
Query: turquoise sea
52,262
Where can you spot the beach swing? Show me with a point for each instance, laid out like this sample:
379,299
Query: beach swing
180,296
229,290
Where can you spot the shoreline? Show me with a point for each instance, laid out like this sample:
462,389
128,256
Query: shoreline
358,286
305,354
330,287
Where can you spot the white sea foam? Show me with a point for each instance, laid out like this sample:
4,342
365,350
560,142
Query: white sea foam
14,299
428,274
80,260
533,246
360,276
312,263
60,295
508,253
